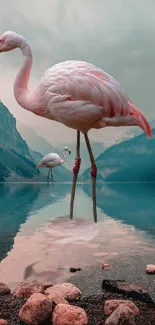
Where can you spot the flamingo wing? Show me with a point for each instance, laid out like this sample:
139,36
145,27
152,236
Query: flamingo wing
81,96
84,82
51,160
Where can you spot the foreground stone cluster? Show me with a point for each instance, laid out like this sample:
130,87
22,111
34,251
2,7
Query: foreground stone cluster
47,302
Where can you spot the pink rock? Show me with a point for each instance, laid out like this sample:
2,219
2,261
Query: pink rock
150,269
3,321
122,315
25,290
69,315
36,309
4,289
101,254
68,290
105,265
111,305
45,284
57,298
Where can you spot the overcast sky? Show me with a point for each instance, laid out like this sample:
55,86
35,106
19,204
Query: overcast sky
116,35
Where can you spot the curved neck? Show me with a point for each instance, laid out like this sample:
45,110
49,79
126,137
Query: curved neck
62,157
21,91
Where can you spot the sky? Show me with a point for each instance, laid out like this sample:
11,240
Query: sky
116,35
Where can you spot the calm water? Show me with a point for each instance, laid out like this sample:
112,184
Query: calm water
38,241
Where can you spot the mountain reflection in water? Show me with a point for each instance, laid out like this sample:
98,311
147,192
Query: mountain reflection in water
40,242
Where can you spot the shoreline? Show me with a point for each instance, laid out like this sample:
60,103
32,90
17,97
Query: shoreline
98,182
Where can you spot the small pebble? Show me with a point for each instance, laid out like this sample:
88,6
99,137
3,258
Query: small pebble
104,266
150,269
72,269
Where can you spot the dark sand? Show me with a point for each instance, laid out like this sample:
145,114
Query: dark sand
93,305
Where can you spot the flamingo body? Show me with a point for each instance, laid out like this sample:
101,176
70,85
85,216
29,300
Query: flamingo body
51,160
82,96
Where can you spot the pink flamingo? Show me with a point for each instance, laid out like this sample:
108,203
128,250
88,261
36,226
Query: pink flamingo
78,95
51,160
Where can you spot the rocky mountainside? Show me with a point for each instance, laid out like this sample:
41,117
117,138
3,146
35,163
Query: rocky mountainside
131,160
17,160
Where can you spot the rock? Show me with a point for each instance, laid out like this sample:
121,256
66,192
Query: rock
45,284
57,298
3,321
122,315
105,266
4,289
129,290
25,290
111,305
67,290
36,309
69,315
73,269
150,269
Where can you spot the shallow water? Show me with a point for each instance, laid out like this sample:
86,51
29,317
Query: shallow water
38,241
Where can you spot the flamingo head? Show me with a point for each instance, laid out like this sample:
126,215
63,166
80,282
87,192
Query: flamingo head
9,41
67,149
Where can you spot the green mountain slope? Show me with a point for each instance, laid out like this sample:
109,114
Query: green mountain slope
131,160
17,160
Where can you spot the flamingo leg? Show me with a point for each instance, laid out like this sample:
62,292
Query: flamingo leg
48,175
75,173
52,177
93,173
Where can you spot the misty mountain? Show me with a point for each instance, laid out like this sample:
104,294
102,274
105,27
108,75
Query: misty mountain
41,145
35,141
131,160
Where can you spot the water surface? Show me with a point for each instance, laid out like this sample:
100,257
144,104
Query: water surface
38,241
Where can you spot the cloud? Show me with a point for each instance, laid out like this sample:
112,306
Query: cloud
117,36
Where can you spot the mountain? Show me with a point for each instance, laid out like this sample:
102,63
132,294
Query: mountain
39,144
17,160
35,141
131,160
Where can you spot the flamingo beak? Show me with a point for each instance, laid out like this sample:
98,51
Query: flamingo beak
141,121
69,152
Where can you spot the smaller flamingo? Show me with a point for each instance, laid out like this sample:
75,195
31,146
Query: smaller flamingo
52,160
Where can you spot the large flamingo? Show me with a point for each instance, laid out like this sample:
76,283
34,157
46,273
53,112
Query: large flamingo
76,94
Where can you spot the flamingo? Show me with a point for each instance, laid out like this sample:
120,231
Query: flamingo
52,160
77,94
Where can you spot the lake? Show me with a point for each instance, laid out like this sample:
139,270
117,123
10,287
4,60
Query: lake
39,242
